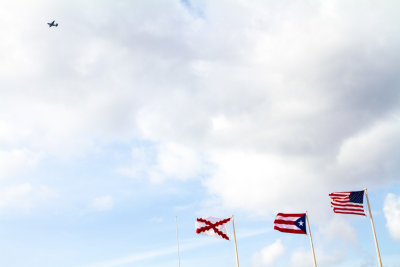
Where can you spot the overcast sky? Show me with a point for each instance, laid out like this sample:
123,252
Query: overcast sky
130,113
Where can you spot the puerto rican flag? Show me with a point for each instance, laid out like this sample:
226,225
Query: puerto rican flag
294,223
212,226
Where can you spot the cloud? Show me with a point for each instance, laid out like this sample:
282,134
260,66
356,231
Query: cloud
17,161
102,203
269,105
357,152
16,196
271,117
268,255
258,102
256,180
338,228
174,160
301,258
25,196
391,210
164,161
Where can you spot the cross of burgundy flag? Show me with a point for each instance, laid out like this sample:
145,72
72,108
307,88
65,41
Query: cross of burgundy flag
348,202
212,226
294,223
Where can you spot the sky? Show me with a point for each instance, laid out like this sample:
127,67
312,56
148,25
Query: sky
134,117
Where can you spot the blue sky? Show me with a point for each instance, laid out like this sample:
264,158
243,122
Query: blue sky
131,113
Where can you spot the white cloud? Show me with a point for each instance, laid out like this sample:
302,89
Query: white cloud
16,196
257,180
338,228
176,161
267,98
271,104
301,258
166,161
16,161
102,203
268,255
25,196
358,151
46,192
285,118
391,209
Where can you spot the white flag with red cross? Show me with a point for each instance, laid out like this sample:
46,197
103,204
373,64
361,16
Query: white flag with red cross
212,226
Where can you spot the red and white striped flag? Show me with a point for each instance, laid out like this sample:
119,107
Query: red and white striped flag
212,226
348,202
294,223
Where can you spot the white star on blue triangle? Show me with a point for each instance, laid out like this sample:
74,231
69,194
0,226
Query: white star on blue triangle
301,223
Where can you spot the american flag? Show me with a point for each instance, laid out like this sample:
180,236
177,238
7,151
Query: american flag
348,202
294,223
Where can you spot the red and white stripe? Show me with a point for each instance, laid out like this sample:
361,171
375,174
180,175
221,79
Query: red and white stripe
341,204
284,222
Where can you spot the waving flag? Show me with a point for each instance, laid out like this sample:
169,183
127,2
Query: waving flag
294,223
212,226
348,202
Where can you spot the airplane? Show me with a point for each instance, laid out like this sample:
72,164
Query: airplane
53,24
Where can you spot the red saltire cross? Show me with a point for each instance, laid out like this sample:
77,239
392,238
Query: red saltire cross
210,225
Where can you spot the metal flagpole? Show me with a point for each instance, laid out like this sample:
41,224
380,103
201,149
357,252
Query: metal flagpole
373,229
234,238
177,241
312,246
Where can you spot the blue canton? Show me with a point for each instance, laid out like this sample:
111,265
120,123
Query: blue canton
357,197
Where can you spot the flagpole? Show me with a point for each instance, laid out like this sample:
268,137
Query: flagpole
373,229
234,238
177,241
312,246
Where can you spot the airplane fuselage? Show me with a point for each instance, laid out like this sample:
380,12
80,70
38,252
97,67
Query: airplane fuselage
51,24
